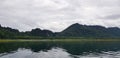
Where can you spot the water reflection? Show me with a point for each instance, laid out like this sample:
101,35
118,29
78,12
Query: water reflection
58,53
27,53
60,50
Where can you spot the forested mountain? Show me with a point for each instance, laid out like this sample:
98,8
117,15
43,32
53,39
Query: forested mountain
75,30
41,33
6,32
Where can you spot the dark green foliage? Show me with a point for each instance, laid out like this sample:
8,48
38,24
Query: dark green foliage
6,32
43,33
77,30
36,32
73,31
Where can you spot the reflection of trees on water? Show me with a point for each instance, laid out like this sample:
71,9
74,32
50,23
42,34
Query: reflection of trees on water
74,48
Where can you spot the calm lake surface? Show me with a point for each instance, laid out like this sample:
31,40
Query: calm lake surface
60,49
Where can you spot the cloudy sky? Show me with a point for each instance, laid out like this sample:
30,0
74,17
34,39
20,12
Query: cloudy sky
56,15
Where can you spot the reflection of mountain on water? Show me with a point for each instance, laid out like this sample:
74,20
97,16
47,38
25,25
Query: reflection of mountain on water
27,53
75,48
58,53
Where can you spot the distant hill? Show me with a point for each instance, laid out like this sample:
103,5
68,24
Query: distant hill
78,30
41,33
75,30
6,32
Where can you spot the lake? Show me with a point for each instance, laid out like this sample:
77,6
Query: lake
87,49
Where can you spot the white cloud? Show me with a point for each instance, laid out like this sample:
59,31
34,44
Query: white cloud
56,15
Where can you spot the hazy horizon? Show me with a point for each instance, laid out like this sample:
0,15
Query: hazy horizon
56,15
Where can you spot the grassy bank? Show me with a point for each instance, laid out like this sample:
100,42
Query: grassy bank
50,40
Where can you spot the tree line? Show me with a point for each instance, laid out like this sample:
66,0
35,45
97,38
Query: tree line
74,31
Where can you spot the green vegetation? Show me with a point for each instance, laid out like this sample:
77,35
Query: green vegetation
75,31
9,33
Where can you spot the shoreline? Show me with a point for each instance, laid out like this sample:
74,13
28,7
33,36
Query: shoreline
57,40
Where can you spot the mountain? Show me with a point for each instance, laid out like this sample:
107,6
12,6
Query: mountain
42,33
78,30
75,30
6,32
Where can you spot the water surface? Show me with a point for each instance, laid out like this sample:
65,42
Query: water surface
60,49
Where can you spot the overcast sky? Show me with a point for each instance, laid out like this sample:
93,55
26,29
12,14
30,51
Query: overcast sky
56,15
